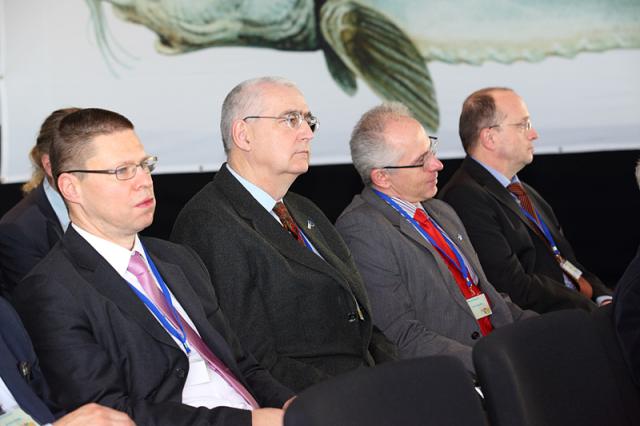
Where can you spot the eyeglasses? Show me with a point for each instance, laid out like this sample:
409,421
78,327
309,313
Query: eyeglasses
432,152
293,119
124,172
525,125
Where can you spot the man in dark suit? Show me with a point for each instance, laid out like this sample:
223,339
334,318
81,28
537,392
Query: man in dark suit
37,222
127,322
626,311
514,230
285,279
25,390
428,292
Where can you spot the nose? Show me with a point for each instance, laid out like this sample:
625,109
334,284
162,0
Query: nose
434,164
533,134
143,177
306,131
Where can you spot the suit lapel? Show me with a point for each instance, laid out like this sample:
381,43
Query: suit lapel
181,289
105,280
499,192
259,219
406,228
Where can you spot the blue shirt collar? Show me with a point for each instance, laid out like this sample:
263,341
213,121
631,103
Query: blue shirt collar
57,203
504,181
260,195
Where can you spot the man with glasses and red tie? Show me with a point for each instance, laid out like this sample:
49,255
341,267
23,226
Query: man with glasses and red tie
514,230
132,323
427,289
284,277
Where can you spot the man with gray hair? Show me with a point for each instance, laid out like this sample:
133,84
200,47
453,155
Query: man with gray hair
427,289
284,277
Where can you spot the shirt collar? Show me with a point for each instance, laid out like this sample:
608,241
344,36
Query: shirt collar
410,208
260,195
57,203
504,181
117,256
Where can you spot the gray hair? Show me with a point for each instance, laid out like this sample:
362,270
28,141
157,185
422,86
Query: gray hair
245,99
369,148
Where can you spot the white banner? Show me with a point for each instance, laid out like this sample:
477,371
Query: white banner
50,58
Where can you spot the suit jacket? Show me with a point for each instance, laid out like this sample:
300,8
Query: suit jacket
98,342
293,310
27,233
626,316
26,384
516,259
415,299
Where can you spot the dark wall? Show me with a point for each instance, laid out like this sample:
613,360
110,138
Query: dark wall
594,195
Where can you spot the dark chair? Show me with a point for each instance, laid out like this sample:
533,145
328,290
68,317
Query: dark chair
630,393
434,391
550,370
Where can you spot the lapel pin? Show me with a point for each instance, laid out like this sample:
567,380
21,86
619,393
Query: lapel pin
459,237
310,224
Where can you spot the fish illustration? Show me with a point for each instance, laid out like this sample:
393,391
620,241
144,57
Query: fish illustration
386,43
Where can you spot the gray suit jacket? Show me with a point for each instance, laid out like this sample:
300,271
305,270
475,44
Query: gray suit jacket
415,300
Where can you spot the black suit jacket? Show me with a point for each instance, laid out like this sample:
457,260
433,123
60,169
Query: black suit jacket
19,367
27,233
293,310
626,316
98,342
515,258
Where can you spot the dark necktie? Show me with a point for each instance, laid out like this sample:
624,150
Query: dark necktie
468,291
138,267
517,189
287,221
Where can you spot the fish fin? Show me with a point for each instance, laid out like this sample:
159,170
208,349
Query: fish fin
341,74
378,51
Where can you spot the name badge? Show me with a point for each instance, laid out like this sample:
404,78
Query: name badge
570,269
198,373
16,417
479,306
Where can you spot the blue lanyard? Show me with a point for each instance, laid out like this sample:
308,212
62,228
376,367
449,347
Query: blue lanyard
543,227
460,265
178,334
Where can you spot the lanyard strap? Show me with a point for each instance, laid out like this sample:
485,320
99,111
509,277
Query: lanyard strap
543,227
458,263
180,335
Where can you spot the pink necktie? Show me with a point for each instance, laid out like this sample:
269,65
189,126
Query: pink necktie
138,267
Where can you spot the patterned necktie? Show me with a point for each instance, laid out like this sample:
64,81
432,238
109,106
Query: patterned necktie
468,291
138,267
287,221
516,189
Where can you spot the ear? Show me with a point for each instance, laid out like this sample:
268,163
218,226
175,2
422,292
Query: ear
69,187
242,135
380,178
45,161
486,139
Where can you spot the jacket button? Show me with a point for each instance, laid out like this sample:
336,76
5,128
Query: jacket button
352,317
475,335
181,373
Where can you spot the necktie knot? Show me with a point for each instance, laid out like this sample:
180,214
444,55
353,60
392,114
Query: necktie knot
516,189
287,221
137,265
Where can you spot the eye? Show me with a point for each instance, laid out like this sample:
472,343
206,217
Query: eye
126,171
294,119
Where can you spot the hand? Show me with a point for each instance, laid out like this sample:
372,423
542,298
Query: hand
95,415
267,417
288,402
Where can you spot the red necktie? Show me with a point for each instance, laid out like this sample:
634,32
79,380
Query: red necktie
138,267
468,291
516,189
287,221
